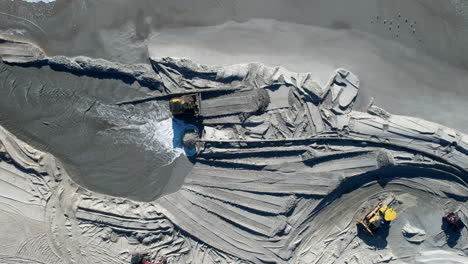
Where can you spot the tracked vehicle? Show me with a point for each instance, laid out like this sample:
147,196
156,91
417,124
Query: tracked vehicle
186,105
382,213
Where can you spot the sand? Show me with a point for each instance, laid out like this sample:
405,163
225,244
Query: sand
326,34
93,165
263,186
399,73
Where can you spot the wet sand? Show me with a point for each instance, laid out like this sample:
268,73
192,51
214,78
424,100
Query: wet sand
414,53
121,151
402,80
240,201
89,28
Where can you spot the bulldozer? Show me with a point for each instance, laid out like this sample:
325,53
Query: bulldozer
378,216
186,105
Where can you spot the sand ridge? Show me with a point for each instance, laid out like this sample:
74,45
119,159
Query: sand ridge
284,184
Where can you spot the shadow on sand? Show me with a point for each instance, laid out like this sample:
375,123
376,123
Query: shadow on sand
452,233
379,240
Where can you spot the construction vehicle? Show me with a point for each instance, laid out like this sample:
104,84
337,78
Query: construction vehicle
185,105
454,221
382,213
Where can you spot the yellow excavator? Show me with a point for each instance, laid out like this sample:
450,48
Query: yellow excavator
378,216
186,105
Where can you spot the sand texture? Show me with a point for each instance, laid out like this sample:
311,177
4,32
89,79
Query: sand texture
282,169
309,113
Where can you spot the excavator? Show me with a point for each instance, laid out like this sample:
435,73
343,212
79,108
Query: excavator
378,216
186,105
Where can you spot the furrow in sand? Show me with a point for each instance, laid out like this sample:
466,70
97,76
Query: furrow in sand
120,222
207,227
263,203
266,226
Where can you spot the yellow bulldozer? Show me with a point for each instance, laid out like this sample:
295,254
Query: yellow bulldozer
186,105
378,216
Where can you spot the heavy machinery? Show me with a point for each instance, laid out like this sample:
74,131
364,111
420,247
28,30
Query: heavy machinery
185,105
454,221
381,214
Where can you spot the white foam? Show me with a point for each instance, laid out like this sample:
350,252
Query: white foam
168,134
155,131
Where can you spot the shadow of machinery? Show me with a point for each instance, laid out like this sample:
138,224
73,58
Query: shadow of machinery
379,240
452,233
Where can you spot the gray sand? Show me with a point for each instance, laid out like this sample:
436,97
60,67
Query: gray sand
85,178
429,54
110,149
403,80
292,196
98,28
282,178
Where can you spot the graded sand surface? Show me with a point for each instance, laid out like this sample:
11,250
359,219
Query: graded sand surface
290,150
284,182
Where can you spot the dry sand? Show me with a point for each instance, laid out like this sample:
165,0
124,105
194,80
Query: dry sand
399,74
86,179
285,185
